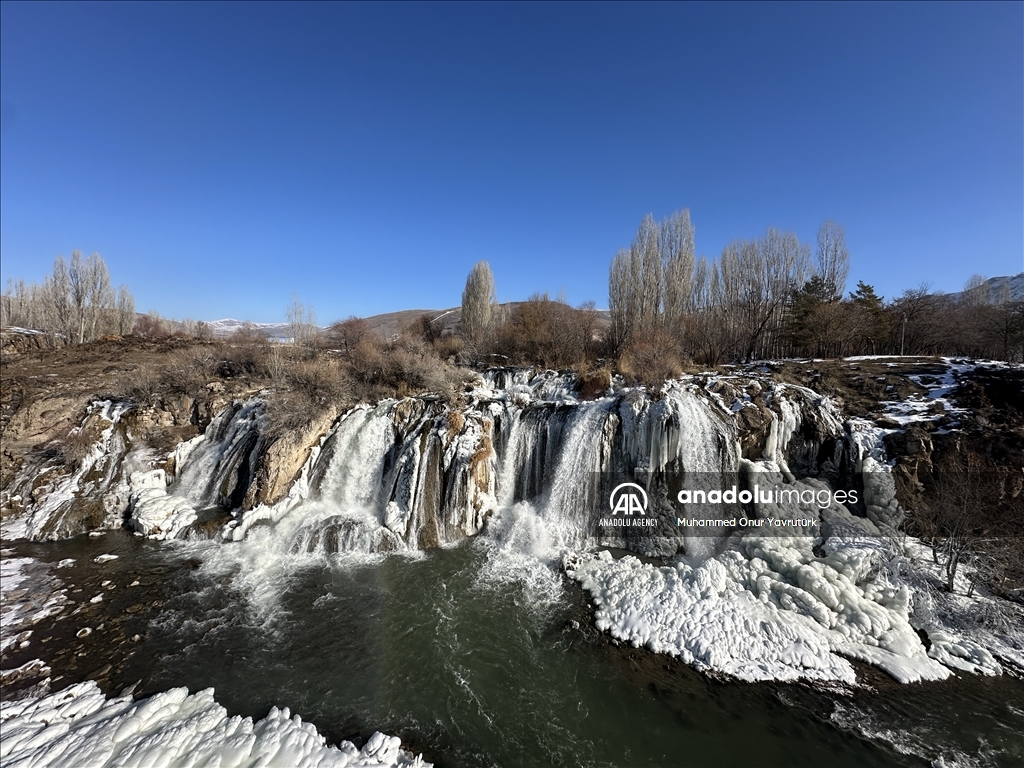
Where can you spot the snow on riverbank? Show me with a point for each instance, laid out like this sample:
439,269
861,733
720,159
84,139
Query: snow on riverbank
769,608
28,594
173,730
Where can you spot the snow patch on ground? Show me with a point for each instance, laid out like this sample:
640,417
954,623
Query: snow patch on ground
173,730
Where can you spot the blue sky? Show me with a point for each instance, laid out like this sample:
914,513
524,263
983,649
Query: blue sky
222,157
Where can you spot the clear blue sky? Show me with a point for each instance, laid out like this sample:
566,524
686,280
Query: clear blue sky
221,157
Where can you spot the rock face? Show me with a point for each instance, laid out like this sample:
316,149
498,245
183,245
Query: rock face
75,485
17,341
412,473
283,458
417,473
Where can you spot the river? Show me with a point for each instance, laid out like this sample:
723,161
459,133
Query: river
476,655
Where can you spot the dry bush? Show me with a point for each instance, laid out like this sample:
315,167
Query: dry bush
347,335
483,450
320,380
448,347
151,325
73,448
594,384
245,356
309,388
547,333
407,366
188,370
456,423
140,387
445,346
650,359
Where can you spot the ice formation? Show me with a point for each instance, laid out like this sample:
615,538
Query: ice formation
172,729
94,479
528,458
152,511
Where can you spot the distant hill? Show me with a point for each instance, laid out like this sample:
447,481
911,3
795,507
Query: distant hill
227,327
1000,289
387,325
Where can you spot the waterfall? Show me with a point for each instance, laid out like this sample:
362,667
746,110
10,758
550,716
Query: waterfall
219,468
60,503
213,470
416,473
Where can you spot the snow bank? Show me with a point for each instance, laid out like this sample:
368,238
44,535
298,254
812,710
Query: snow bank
706,618
768,608
172,730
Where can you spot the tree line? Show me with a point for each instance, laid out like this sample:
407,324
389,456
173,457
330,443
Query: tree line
770,297
75,302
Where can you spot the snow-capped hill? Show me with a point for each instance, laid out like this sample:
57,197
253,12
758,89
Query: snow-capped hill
1014,285
230,326
998,290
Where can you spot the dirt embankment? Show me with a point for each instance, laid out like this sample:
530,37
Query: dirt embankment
45,392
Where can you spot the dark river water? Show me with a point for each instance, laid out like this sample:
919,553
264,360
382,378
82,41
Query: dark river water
476,657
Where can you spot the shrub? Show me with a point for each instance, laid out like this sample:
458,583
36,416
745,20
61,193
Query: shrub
73,448
650,359
594,384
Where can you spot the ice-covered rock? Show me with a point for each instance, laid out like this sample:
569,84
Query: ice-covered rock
770,608
173,729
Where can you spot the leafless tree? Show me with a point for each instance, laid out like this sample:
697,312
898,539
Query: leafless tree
623,298
478,298
677,252
346,335
975,291
76,303
833,258
301,321
125,311
58,290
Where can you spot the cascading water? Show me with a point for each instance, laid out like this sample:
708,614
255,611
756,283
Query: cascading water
218,471
213,470
415,473
476,645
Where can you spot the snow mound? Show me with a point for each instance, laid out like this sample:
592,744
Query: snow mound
769,608
172,730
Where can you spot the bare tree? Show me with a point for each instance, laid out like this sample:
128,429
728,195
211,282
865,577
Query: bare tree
646,255
635,285
58,289
622,298
101,296
346,335
677,253
76,303
975,292
90,294
125,311
301,321
79,284
478,298
833,258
